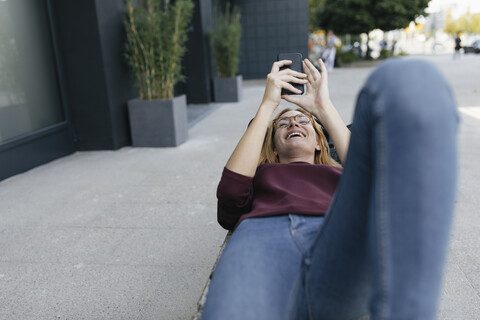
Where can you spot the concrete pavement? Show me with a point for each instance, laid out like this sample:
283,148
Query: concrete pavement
132,234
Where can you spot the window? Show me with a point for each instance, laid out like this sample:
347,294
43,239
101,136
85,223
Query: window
29,95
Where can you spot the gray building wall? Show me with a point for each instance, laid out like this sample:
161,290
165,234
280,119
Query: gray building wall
197,61
270,27
93,78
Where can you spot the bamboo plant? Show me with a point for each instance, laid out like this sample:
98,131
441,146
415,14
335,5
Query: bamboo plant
156,34
225,41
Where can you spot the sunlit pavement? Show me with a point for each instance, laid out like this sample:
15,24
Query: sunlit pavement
132,234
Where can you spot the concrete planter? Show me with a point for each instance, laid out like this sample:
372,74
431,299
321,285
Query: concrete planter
227,89
158,123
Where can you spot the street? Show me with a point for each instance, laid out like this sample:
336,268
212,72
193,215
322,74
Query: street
132,233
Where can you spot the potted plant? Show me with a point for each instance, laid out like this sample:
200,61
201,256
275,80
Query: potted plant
225,42
156,34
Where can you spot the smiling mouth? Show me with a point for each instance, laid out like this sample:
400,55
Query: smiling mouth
295,134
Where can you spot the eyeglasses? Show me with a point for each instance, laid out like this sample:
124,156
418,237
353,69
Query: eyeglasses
284,122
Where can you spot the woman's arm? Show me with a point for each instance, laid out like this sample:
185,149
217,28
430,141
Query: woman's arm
235,197
245,157
317,101
336,128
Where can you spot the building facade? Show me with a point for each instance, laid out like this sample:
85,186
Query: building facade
64,84
270,27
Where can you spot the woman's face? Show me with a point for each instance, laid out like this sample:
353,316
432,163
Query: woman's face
294,140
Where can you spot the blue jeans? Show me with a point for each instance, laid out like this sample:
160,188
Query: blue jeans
259,266
381,248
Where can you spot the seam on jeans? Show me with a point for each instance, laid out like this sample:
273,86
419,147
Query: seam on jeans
305,265
381,214
308,293
293,231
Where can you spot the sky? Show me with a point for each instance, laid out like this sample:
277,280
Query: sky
457,7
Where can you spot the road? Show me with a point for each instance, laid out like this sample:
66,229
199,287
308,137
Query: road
132,233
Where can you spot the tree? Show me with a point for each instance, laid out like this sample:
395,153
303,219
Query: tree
397,14
362,16
313,7
450,24
346,16
467,23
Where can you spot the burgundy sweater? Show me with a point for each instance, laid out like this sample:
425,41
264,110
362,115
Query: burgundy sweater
276,189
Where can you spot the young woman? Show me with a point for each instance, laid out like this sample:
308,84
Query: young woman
313,241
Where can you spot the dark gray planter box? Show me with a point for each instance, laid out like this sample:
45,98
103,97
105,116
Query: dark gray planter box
227,89
158,123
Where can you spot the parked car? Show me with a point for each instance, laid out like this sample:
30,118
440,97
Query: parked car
474,47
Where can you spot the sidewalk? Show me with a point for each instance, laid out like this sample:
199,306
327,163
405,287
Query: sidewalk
132,234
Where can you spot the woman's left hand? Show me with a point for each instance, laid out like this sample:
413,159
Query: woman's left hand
317,96
317,102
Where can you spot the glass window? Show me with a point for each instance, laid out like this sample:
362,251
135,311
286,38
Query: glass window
29,95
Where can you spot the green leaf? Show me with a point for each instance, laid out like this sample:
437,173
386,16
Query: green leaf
225,41
156,35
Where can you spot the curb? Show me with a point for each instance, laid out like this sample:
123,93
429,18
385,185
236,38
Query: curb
203,297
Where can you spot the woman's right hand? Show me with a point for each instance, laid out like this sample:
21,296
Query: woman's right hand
279,79
317,96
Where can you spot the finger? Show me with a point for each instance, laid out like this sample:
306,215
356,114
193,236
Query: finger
323,69
278,64
307,71
293,73
311,68
288,78
292,99
288,86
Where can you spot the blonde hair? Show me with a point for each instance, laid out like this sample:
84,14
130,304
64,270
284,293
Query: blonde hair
322,156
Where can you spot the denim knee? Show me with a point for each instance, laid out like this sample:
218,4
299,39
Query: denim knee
412,91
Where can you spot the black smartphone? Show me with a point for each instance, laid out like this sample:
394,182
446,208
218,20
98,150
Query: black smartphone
296,65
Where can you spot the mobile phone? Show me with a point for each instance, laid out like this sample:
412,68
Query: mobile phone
296,65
